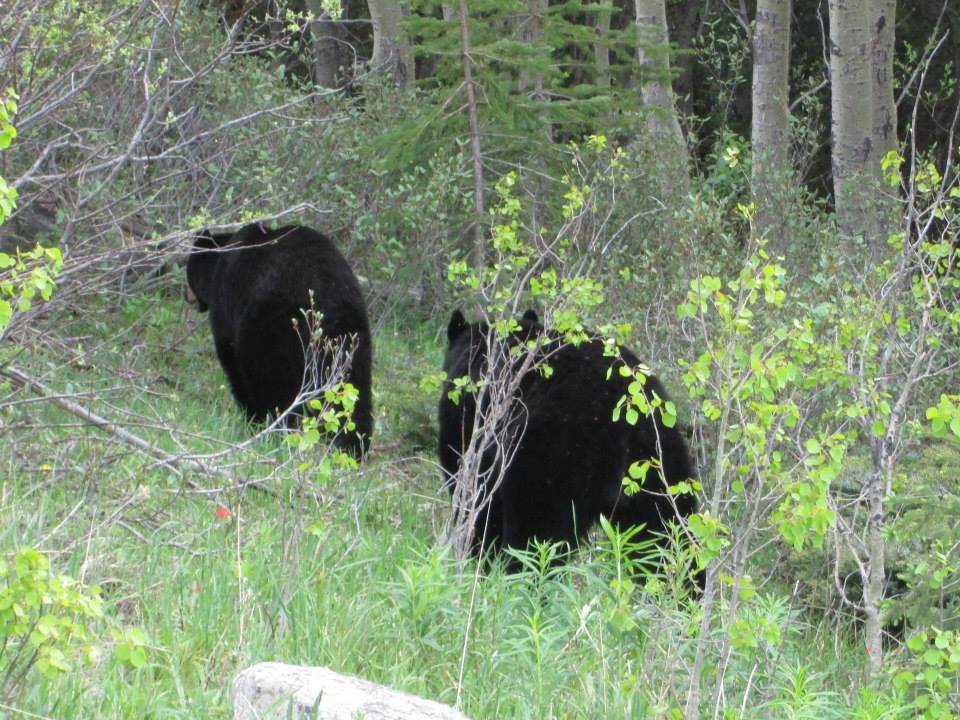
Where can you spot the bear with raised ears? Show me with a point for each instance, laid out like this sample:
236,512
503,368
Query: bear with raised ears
570,457
256,283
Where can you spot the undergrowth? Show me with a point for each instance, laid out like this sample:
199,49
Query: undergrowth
347,572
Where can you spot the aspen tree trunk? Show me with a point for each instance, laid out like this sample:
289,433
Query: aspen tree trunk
885,139
876,551
851,123
323,38
653,56
884,106
391,51
601,49
770,131
864,128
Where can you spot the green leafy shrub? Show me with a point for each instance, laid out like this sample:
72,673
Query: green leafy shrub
43,621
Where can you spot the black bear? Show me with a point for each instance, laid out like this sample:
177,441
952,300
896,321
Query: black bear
257,283
566,457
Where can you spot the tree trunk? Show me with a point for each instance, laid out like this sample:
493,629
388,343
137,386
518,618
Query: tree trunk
863,128
685,23
884,106
601,49
391,51
851,116
771,118
653,56
883,17
450,12
876,566
530,32
323,35
478,185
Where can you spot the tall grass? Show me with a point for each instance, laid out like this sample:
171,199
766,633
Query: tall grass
347,572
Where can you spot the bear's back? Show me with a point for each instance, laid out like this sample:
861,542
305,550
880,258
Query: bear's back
280,268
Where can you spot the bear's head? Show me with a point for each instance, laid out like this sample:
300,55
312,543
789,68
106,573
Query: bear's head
467,343
529,325
200,266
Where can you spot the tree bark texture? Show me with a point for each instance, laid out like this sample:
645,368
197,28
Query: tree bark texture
324,41
653,56
884,106
450,12
478,185
601,49
530,31
391,50
876,551
862,126
851,115
883,17
770,131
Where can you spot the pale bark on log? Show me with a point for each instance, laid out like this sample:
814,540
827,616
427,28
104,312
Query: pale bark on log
276,691
770,131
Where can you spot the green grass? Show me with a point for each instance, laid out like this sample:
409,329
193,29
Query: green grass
347,573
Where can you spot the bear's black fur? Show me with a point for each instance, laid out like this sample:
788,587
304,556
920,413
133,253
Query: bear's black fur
256,283
571,457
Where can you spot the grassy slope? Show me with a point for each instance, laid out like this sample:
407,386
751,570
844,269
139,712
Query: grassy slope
348,575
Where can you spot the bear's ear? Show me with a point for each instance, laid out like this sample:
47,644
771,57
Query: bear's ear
203,240
206,240
458,323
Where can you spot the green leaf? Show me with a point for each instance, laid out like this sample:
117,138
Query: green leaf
917,642
638,470
932,657
6,312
